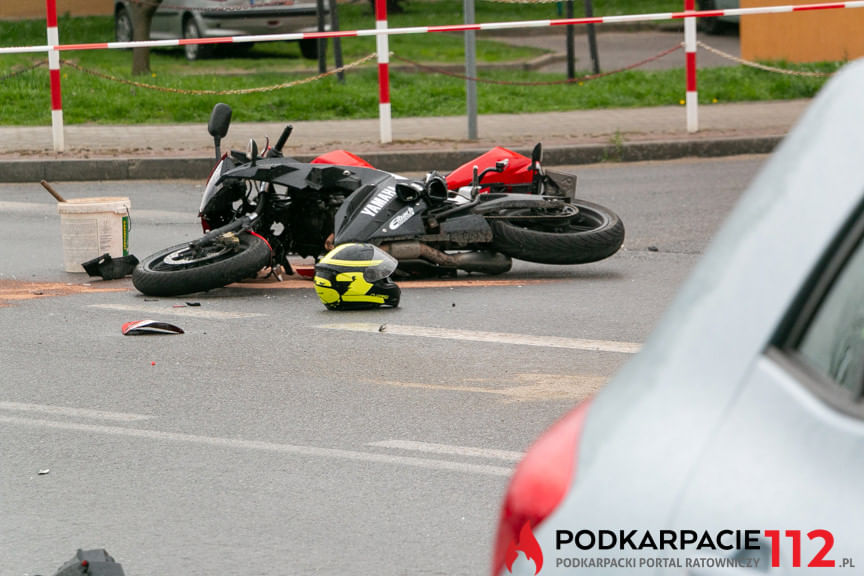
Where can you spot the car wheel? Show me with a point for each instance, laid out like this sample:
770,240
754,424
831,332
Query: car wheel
309,48
123,31
194,51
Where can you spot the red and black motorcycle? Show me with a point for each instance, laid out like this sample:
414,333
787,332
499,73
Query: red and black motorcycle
258,209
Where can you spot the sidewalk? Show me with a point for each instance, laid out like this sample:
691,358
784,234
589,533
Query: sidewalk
420,144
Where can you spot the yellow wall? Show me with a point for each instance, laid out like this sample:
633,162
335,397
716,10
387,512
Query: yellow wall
809,36
14,9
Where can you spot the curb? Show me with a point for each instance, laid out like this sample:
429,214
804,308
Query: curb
409,161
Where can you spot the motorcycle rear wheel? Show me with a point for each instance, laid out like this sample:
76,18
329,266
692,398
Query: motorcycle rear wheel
593,233
180,270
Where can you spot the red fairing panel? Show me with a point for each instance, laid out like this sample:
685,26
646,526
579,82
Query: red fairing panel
341,158
517,172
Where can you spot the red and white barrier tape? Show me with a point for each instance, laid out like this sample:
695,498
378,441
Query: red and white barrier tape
446,28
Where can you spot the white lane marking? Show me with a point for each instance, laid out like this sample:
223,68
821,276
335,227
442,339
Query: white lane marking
535,387
494,337
45,208
189,312
432,448
75,412
40,208
237,444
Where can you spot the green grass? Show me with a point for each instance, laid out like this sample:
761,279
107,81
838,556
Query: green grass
24,99
89,99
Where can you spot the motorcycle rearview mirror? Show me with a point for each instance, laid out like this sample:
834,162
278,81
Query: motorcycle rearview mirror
536,156
286,133
217,126
537,169
252,151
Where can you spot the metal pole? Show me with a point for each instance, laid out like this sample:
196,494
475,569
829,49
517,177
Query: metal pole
337,42
571,51
470,71
383,48
54,74
690,52
592,38
322,42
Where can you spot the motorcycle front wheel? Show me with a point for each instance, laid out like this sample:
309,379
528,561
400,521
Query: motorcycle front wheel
183,270
574,233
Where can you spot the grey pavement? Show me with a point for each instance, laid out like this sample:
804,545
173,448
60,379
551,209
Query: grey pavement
95,152
572,137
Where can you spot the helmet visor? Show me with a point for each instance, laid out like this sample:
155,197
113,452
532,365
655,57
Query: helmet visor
383,265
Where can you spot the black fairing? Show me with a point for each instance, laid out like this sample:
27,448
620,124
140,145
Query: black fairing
377,213
304,177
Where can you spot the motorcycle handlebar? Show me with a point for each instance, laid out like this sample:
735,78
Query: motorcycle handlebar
283,138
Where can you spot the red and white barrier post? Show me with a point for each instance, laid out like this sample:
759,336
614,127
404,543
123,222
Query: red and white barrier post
383,47
54,72
692,98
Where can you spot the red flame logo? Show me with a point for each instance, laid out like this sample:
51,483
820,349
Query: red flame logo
528,545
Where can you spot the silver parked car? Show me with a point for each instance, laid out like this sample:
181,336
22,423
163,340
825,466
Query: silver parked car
213,18
733,443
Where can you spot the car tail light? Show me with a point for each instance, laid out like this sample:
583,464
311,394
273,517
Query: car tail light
539,484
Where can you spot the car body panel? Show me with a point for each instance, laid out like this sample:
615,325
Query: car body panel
721,5
216,18
705,428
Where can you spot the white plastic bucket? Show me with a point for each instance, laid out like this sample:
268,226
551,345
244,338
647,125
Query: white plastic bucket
90,227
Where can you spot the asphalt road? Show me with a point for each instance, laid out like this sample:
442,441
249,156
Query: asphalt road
275,437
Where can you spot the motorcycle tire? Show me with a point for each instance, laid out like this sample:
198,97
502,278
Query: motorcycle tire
174,271
592,234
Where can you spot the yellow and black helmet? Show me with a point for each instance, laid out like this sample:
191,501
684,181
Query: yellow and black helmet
356,276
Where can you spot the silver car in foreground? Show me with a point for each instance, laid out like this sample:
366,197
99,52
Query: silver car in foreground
214,18
733,443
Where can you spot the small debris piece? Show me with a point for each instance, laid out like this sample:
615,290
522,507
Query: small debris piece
44,471
382,328
149,327
193,304
653,249
110,268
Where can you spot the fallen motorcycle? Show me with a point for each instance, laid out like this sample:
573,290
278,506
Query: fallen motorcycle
258,209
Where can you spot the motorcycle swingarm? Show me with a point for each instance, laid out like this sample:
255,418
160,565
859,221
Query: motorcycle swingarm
490,203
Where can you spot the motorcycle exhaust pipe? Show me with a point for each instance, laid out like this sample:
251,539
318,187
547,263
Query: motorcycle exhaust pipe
480,262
